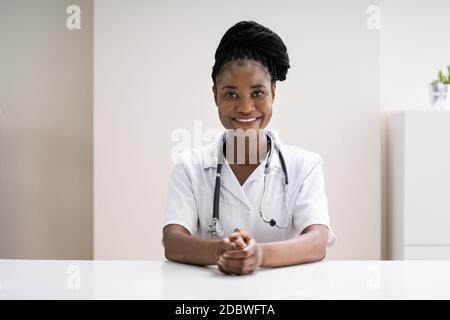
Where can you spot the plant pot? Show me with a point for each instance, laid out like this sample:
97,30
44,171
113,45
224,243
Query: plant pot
440,95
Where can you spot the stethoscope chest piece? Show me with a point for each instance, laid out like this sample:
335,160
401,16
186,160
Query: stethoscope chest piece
215,230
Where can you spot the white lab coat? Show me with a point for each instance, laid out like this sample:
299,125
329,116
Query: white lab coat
191,194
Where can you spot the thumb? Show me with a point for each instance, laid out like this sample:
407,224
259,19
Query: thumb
245,235
228,244
251,244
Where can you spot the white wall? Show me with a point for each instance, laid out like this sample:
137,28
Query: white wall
414,45
46,156
152,76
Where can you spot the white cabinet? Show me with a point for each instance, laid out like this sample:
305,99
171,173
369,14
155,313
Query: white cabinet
419,185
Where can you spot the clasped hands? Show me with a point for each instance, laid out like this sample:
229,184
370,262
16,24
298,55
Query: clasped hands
238,253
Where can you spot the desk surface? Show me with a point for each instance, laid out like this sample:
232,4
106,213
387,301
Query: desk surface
66,279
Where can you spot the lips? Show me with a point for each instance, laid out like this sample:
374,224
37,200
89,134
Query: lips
245,119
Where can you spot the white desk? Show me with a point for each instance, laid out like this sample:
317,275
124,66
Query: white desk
64,279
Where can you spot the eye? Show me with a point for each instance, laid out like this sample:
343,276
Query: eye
231,95
258,93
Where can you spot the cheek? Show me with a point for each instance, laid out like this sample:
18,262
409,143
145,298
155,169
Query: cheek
223,115
266,108
225,108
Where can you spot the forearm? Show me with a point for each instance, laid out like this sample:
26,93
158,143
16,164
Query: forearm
308,247
185,248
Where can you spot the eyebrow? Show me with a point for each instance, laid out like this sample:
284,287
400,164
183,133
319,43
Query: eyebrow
234,87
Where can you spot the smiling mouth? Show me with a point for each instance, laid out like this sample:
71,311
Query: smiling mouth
245,120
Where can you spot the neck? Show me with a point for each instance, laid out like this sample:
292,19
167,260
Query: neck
247,150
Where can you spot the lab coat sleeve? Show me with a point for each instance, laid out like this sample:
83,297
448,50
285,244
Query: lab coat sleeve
311,204
181,207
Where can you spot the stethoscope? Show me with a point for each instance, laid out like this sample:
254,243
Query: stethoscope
216,230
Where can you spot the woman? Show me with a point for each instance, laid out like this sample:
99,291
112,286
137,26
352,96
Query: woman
271,200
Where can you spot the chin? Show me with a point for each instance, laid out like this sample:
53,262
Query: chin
245,129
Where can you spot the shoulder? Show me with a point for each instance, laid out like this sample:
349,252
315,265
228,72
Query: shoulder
197,159
301,162
302,156
187,166
298,160
202,157
190,160
190,156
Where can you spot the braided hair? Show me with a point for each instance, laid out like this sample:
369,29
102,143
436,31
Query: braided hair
250,40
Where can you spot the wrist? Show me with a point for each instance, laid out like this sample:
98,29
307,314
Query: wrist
262,256
214,251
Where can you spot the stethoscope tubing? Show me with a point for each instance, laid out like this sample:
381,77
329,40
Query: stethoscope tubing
216,208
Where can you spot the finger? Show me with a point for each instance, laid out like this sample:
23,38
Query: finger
232,246
225,245
240,232
234,236
237,254
233,266
240,243
249,267
228,244
240,267
221,267
223,270
244,234
251,246
238,240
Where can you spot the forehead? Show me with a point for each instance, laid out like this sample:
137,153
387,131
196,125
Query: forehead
244,71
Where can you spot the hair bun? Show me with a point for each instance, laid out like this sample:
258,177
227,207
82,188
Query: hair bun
248,39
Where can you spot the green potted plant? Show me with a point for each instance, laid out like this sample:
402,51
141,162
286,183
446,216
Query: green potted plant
440,90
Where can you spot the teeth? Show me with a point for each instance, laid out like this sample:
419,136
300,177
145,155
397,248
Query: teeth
246,120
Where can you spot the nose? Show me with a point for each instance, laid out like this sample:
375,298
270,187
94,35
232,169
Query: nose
246,106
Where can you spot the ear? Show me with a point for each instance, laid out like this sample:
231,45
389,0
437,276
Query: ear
273,88
214,89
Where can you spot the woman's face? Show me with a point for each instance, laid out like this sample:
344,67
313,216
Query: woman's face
244,95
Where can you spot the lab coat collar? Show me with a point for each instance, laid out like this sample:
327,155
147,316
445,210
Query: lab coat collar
211,152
